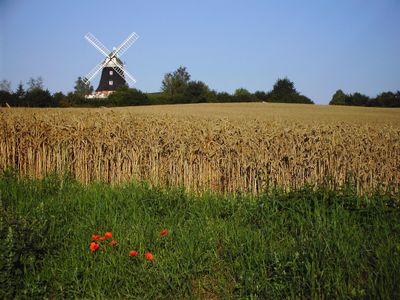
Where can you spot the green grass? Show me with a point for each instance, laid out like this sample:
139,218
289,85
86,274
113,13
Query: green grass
304,244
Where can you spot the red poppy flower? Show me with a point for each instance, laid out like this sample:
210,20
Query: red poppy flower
94,246
149,256
133,253
95,237
113,243
108,235
164,232
102,238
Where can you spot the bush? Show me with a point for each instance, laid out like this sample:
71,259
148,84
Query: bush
125,96
39,98
6,98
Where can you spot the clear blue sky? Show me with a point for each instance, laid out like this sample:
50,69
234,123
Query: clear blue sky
320,45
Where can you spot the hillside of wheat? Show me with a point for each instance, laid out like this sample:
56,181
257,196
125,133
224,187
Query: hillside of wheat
219,147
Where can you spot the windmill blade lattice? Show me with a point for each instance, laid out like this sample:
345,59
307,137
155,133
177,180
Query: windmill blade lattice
126,44
97,44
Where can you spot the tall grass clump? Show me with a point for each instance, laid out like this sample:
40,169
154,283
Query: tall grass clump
311,243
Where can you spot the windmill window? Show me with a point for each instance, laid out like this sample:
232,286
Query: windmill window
111,72
111,82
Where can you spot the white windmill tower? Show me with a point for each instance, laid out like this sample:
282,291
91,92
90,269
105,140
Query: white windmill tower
113,73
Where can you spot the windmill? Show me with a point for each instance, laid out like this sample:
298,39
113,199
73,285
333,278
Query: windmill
113,73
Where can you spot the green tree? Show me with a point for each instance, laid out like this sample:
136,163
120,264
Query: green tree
20,92
243,95
358,99
6,98
81,88
224,97
59,98
18,97
196,91
212,96
72,99
176,82
339,98
387,99
261,96
39,98
284,91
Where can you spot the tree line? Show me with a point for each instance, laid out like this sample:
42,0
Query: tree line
37,96
176,87
384,99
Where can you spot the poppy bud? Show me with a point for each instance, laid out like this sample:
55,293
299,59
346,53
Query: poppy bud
133,253
149,256
95,237
94,246
164,232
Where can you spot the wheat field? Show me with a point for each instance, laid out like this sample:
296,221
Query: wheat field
243,147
